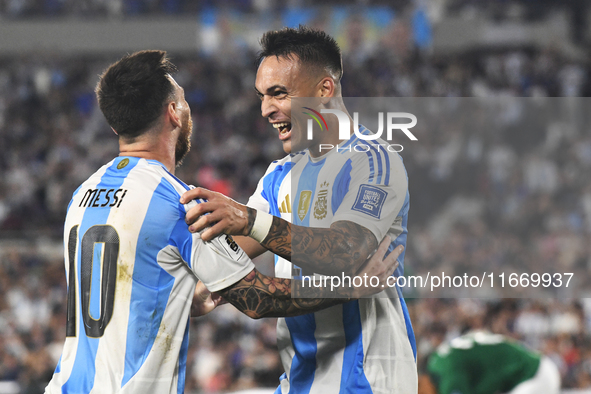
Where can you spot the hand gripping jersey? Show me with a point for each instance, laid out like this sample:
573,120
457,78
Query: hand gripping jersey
481,363
363,346
132,266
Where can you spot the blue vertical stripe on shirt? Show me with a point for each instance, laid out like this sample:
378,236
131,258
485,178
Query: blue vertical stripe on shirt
303,365
353,375
151,284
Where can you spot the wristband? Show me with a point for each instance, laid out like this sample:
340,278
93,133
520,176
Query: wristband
262,225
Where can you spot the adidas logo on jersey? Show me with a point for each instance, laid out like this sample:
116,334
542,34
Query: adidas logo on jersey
285,205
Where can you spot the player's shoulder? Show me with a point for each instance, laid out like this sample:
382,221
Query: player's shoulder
178,185
377,157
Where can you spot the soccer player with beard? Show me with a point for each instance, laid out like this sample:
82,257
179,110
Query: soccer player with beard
132,265
323,212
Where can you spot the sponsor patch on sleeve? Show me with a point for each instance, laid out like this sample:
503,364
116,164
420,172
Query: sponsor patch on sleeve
370,200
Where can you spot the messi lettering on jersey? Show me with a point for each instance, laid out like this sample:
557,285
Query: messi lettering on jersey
100,198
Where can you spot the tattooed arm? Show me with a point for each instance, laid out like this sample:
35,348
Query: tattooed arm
342,248
257,295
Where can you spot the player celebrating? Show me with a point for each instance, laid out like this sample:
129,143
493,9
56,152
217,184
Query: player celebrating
485,363
132,265
341,203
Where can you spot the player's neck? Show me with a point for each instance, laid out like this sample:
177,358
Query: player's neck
319,149
331,138
150,148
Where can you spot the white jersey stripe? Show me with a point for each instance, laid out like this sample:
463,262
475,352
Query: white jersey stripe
116,334
66,363
331,344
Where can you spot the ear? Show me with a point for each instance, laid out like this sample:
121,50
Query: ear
327,89
173,114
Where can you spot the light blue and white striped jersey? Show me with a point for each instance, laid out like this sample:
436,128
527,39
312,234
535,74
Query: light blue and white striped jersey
363,346
132,266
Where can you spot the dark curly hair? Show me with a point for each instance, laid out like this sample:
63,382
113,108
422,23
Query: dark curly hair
311,47
133,91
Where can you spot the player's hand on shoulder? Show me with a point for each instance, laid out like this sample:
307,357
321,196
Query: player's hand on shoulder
224,214
204,301
379,267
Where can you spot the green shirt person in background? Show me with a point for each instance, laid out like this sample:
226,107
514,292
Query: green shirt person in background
484,363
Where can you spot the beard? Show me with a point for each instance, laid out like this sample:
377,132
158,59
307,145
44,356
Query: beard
183,144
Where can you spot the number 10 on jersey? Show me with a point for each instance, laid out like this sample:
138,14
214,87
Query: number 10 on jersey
99,248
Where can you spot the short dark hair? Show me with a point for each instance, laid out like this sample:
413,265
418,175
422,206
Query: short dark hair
311,46
133,91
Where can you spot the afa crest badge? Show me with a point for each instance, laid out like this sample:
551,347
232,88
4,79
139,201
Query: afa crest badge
321,206
122,164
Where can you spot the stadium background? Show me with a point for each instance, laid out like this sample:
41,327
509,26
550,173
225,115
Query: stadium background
52,136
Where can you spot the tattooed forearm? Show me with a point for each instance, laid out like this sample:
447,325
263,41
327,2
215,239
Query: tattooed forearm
257,295
343,247
278,240
252,214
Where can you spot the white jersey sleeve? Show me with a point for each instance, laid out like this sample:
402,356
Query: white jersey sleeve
218,263
375,195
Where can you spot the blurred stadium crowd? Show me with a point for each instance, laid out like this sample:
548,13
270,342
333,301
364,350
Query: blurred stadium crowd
476,197
498,9
127,8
